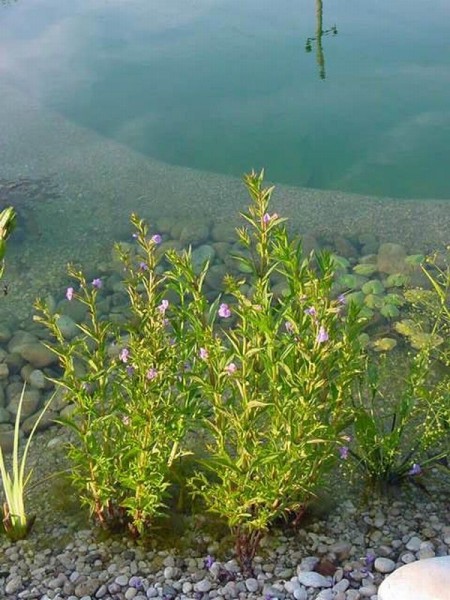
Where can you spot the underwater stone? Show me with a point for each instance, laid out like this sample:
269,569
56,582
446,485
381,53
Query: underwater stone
391,259
201,255
19,339
195,233
384,565
67,326
30,403
7,437
313,579
38,355
427,579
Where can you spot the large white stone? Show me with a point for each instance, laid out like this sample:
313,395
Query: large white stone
427,579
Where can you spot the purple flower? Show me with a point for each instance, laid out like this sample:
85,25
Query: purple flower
369,559
289,327
311,311
163,306
416,469
343,452
69,293
143,266
130,370
231,368
322,336
124,355
224,311
342,299
151,374
203,353
267,218
209,561
97,283
156,239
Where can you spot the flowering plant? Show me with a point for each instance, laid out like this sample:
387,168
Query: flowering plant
132,408
276,381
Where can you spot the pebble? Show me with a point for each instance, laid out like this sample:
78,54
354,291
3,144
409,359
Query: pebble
313,579
384,565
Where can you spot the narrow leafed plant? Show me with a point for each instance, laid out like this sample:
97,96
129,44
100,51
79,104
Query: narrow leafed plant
16,522
274,382
131,407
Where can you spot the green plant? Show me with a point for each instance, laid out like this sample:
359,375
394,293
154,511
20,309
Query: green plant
7,224
16,522
132,408
274,382
390,430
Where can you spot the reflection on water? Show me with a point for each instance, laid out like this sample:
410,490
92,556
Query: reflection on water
320,33
224,86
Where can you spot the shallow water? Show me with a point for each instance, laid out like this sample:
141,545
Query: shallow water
226,85
159,108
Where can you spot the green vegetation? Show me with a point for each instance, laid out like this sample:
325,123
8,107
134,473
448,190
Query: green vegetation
250,400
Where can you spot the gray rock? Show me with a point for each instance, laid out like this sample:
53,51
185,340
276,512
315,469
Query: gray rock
313,579
300,593
201,255
252,584
204,585
19,339
87,587
384,565
67,326
194,233
413,544
30,403
47,420
307,564
37,379
38,355
13,585
121,580
391,259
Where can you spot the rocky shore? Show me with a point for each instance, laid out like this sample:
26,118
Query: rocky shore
342,552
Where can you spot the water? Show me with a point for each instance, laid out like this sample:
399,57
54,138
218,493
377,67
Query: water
223,86
158,106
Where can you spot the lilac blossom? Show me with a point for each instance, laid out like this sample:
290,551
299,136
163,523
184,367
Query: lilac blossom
124,355
209,561
267,218
416,469
69,293
343,452
342,299
231,368
311,311
224,311
163,306
156,239
130,370
97,283
203,353
289,327
143,266
322,336
151,374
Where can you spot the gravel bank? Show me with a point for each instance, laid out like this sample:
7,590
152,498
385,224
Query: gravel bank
341,554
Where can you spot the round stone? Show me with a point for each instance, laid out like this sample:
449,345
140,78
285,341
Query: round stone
203,586
427,579
313,579
251,584
384,565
